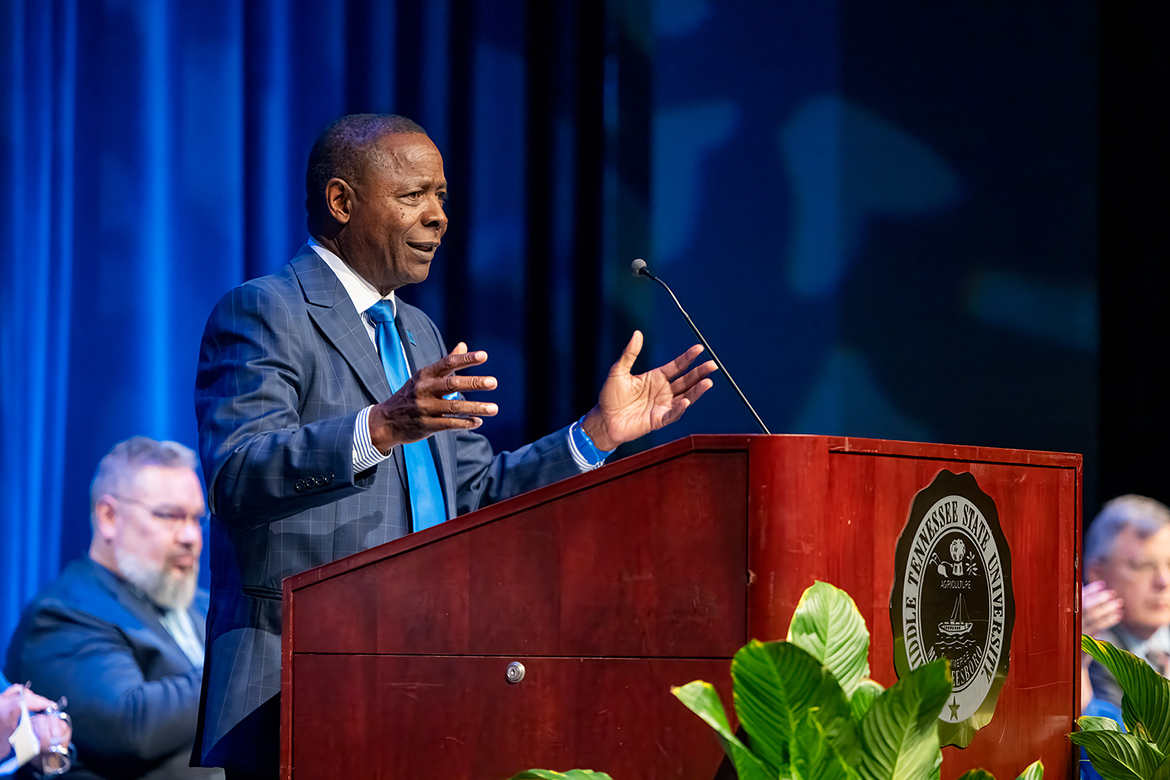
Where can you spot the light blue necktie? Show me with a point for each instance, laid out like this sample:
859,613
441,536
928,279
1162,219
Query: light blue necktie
426,497
179,625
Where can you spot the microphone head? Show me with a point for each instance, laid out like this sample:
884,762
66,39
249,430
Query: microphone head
638,267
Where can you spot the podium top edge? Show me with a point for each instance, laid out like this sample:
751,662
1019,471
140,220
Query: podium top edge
891,447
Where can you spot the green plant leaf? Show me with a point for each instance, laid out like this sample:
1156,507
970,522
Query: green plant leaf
1033,771
775,684
899,734
572,774
814,757
1095,723
1145,704
1118,756
977,774
1163,770
829,627
863,698
703,700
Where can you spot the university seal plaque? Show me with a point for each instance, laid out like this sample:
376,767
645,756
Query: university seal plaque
952,598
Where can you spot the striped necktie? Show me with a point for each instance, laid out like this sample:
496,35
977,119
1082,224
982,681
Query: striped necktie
426,496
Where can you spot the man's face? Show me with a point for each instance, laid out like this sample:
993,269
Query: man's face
1140,573
396,220
156,534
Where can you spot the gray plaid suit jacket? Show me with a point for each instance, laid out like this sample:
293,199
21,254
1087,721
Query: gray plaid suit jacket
284,368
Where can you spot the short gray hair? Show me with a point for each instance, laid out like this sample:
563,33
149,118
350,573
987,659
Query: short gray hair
1146,516
122,462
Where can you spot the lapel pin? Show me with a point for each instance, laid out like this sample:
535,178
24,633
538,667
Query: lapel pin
410,336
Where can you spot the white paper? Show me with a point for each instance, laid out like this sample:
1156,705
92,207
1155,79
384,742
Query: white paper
24,740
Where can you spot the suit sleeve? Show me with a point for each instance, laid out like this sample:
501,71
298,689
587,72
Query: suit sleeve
261,460
483,478
1105,686
116,712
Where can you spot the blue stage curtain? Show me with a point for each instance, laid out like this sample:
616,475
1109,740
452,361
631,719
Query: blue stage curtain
37,294
123,223
155,154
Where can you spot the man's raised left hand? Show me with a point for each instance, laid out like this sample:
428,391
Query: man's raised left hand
632,405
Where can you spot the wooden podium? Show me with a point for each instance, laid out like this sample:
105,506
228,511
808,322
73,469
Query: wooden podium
612,586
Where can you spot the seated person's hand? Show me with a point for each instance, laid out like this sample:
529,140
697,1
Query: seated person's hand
10,708
9,714
46,727
1101,609
51,727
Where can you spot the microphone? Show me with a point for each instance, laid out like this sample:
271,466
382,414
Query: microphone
638,268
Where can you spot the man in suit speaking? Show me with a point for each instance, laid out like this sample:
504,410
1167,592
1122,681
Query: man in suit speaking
332,417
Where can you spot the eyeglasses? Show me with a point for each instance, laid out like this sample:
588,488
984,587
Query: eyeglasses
1146,570
168,514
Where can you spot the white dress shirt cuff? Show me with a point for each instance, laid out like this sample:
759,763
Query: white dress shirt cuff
365,454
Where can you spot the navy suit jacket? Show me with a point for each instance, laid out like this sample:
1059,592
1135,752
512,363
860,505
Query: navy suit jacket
285,366
133,694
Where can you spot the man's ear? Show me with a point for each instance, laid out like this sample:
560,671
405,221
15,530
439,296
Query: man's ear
107,522
339,199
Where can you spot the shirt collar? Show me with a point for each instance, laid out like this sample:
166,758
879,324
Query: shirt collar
1159,641
361,292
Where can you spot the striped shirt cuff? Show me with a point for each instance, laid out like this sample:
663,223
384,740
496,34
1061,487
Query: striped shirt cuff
585,452
365,454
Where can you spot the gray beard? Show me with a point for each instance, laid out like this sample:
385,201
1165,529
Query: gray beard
164,590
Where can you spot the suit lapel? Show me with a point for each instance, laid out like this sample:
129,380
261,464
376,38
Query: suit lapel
141,608
333,312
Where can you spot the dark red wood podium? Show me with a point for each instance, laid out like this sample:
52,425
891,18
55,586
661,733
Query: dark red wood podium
610,587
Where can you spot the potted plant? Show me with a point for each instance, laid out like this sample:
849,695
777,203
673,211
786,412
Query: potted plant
1142,752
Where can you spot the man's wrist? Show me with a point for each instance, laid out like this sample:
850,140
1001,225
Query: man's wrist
381,433
593,426
584,452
